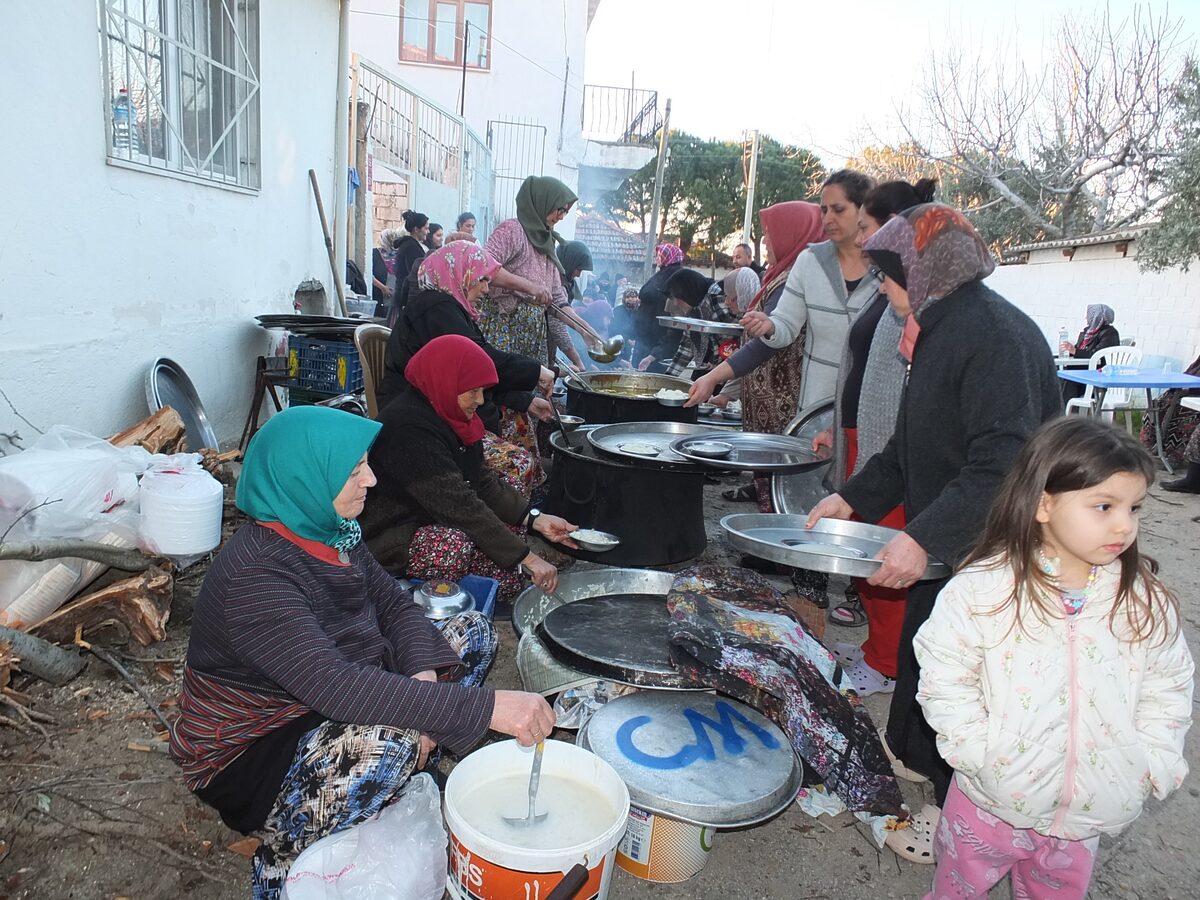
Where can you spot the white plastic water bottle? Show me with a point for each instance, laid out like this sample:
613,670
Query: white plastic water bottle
124,124
1063,337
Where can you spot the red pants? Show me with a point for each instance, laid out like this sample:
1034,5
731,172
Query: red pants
884,606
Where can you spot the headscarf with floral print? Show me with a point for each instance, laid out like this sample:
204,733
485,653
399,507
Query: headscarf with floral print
454,269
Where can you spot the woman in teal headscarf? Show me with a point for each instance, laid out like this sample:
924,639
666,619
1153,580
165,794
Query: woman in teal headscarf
314,686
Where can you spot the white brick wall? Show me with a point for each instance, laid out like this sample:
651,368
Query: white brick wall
1160,309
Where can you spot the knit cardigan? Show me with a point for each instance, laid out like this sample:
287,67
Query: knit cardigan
981,382
815,294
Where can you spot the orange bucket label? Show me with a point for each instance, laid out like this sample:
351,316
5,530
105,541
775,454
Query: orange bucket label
473,877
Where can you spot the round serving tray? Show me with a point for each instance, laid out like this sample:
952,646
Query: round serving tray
702,326
700,758
836,546
531,605
752,452
168,385
608,439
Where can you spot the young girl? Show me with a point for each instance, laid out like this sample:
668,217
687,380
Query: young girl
1054,671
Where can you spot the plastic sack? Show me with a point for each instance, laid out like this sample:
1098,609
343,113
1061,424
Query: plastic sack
399,854
67,485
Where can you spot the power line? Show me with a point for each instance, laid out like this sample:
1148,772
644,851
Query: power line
492,35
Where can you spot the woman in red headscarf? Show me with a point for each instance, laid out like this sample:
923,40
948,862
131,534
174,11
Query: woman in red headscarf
438,511
769,383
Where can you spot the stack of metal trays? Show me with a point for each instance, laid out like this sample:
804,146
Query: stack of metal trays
324,328
751,451
701,326
644,442
836,546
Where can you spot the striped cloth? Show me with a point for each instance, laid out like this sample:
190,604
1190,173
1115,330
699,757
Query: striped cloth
277,633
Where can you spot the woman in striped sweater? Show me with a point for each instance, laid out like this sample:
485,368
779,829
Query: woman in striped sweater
314,686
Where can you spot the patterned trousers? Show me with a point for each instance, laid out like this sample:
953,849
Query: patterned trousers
343,774
438,551
975,850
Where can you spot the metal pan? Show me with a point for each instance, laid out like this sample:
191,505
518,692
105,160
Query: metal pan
752,452
609,439
700,326
622,638
835,546
531,605
168,385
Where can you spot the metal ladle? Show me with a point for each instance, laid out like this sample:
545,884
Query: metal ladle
535,775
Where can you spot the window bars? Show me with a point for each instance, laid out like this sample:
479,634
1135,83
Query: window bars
181,88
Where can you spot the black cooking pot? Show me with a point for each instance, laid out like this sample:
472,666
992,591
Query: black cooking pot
657,511
610,408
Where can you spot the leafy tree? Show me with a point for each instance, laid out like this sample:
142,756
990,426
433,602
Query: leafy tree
1175,239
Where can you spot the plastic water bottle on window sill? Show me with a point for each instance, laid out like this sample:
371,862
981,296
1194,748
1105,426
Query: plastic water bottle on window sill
124,124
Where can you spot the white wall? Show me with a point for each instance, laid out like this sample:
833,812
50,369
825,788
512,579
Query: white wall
102,269
515,87
1160,309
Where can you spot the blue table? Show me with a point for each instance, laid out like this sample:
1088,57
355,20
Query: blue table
1101,381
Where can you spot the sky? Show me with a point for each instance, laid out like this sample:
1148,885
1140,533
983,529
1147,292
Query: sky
808,74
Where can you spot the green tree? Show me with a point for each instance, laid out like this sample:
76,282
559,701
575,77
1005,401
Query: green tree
1175,239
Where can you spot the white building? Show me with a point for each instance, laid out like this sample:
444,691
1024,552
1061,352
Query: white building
156,196
513,70
1054,281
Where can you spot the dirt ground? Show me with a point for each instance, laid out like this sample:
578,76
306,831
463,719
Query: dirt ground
82,815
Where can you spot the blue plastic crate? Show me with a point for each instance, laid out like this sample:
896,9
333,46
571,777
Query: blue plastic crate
327,367
484,591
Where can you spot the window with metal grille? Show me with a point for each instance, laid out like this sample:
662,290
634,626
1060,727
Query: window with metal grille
181,88
442,31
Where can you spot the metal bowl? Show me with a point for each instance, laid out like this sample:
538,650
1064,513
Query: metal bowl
570,423
728,413
602,356
711,449
442,599
596,547
669,401
707,409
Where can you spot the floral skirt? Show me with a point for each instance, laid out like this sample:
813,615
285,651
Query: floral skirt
521,429
1180,424
512,464
344,774
447,553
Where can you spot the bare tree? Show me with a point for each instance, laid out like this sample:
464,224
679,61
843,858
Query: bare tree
1074,146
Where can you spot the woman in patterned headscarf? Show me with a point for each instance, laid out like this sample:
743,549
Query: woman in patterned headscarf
452,281
657,344
1099,334
981,380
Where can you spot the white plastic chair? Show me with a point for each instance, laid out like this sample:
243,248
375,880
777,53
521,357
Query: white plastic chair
1115,399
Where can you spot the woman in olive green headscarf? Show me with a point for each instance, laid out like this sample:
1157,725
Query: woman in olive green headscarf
526,247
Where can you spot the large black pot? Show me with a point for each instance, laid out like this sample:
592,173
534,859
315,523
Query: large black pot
610,408
656,511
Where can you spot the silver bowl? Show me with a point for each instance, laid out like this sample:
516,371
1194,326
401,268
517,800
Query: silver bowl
711,449
442,599
707,409
728,413
593,547
667,401
570,423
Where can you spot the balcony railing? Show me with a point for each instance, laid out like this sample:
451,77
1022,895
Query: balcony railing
620,115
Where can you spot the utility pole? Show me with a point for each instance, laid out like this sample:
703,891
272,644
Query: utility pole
660,172
746,222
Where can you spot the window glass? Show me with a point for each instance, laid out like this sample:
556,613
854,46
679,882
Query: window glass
445,38
415,30
477,15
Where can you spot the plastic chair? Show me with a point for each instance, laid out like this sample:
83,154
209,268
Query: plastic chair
1115,399
372,341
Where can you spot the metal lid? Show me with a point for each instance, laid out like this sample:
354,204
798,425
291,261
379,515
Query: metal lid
753,452
442,599
700,758
168,385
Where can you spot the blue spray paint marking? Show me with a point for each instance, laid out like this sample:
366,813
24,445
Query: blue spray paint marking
732,743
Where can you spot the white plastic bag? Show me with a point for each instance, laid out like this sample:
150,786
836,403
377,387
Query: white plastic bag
400,854
68,485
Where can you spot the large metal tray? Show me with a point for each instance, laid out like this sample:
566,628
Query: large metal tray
168,385
531,605
798,492
609,438
622,639
752,452
650,738
702,326
832,545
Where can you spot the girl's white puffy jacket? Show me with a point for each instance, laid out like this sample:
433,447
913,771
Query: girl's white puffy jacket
1056,726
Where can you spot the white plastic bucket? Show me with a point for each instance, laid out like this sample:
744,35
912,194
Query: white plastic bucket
483,868
659,848
181,511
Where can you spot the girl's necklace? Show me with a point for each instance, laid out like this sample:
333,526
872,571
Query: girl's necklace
1072,601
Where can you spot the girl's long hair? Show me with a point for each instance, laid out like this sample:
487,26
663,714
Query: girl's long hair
1072,453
